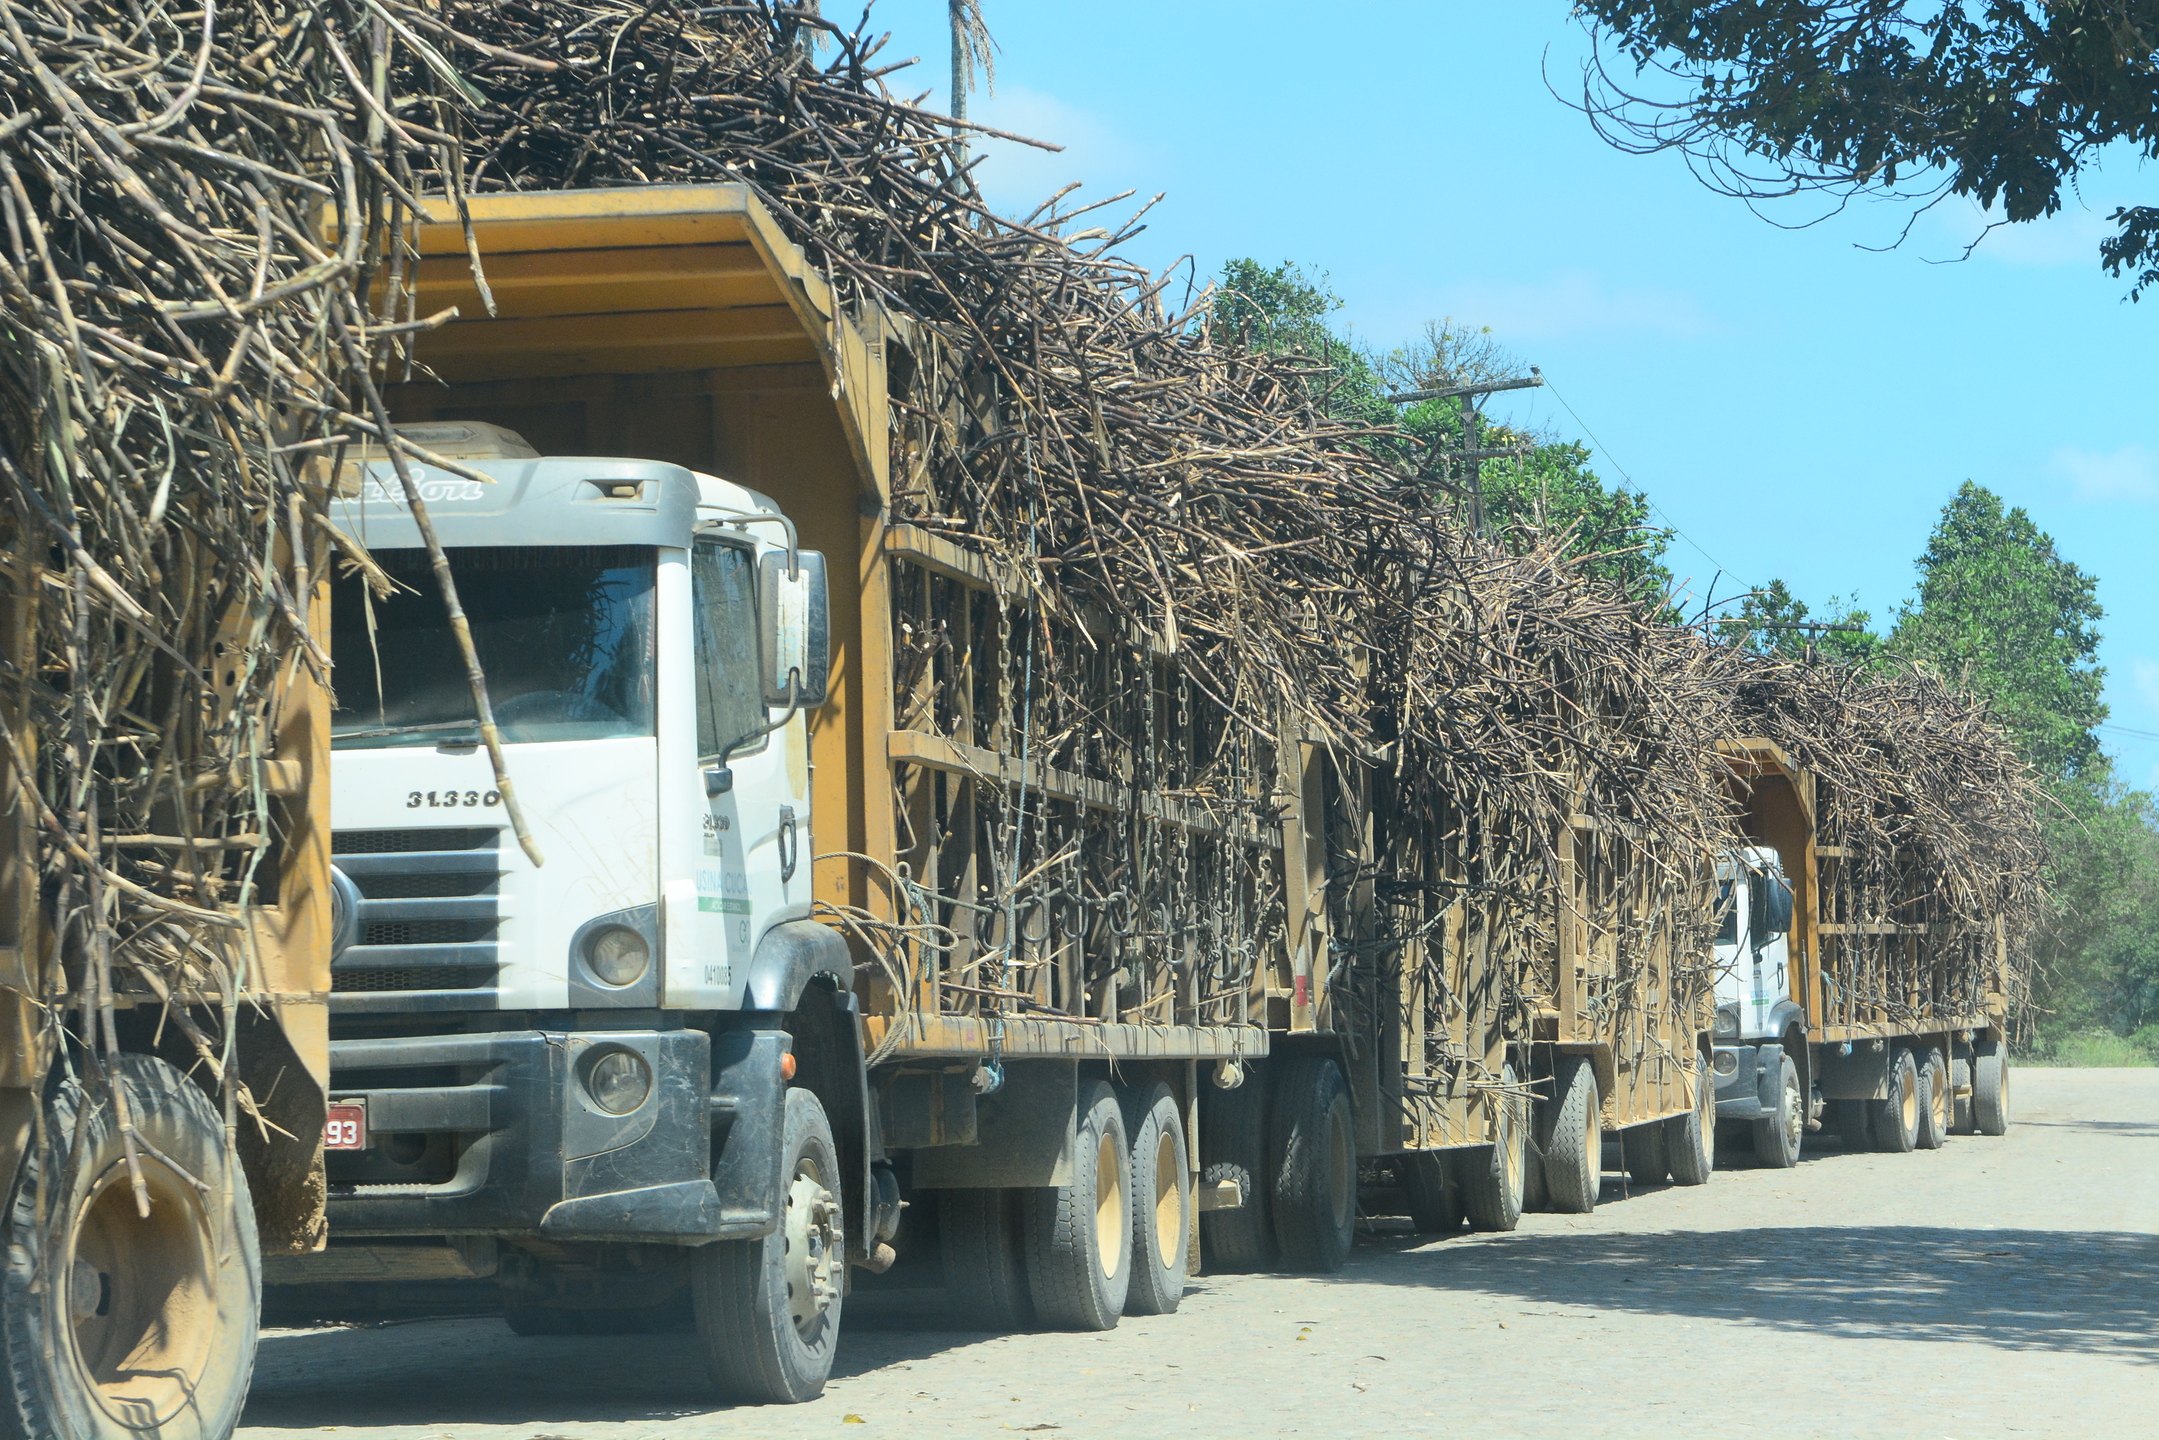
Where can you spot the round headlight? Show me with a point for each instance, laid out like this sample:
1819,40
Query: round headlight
617,955
1725,1062
619,1081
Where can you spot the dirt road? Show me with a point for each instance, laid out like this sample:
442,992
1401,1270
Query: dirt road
1996,1287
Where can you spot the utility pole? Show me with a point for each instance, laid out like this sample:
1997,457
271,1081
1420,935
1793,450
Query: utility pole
1471,454
1812,630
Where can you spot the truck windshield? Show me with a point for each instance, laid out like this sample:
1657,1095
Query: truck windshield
564,634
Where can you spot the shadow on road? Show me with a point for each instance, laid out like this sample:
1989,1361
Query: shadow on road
2074,1291
442,1372
2097,1127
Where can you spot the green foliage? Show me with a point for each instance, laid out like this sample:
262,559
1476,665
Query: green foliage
2005,101
2100,951
2086,1049
2000,612
1284,309
1770,623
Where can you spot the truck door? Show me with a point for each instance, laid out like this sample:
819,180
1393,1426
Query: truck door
751,859
1768,946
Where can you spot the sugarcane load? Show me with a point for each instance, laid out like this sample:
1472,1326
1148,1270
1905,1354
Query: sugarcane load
750,720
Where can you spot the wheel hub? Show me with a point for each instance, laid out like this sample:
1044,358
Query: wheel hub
816,1249
1112,1225
142,1294
1169,1237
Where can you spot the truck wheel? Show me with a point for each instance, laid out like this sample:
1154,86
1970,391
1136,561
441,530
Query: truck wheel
978,1234
1315,1153
1493,1175
1777,1136
1435,1205
1896,1116
1934,1102
1079,1235
1233,1148
1574,1152
1644,1149
115,1325
768,1311
1990,1088
1162,1203
1690,1140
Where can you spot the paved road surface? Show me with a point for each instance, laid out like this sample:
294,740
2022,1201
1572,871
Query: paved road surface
1996,1287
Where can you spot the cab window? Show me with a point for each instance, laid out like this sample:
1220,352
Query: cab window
723,581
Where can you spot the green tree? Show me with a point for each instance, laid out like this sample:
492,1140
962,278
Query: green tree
1773,621
2000,612
1284,309
2100,948
2005,101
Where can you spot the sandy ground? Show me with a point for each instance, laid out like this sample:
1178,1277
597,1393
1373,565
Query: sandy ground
1996,1287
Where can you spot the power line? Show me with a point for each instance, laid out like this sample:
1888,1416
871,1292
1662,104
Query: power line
2127,730
1670,523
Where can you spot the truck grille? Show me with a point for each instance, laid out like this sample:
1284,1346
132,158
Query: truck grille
428,918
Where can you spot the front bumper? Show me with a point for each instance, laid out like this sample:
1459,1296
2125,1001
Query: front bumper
1740,1091
494,1134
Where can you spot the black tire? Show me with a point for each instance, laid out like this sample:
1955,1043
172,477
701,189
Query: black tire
978,1235
1079,1235
1777,1136
1690,1140
168,1303
1574,1150
1233,1148
1990,1088
1315,1156
768,1311
1493,1175
1435,1200
1895,1117
1161,1202
1648,1162
1936,1109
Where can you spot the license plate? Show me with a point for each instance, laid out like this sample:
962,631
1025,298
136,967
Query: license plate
344,1127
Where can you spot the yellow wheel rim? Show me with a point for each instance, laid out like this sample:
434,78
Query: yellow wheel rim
142,1294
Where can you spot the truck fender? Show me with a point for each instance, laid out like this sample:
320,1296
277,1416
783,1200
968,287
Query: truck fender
1785,1018
826,1026
789,956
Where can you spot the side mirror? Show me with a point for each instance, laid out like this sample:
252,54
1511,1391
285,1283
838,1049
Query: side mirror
1780,907
795,616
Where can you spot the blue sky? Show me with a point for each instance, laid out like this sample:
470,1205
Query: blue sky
1798,406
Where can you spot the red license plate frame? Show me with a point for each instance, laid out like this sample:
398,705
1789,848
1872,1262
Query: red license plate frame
344,1125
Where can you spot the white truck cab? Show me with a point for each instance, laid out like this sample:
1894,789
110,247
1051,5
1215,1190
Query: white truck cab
1757,1013
594,1050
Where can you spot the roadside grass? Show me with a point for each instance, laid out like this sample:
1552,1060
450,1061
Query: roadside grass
2095,1049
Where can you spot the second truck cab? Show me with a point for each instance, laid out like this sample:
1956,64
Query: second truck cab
1756,1010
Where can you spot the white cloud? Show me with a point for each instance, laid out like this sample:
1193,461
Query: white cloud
1016,178
2146,673
2069,237
1572,303
2129,472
